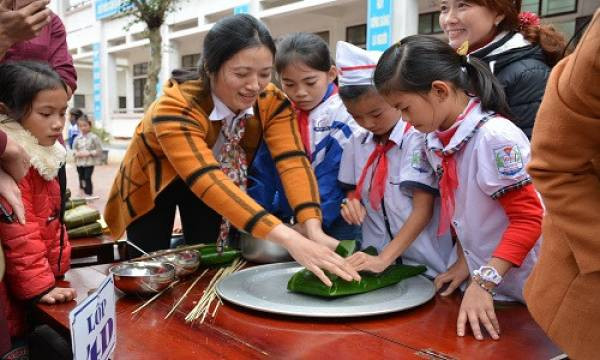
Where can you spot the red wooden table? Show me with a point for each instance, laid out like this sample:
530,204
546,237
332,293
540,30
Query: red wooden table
100,246
236,333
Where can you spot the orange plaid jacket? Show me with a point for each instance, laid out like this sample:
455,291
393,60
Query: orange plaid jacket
174,139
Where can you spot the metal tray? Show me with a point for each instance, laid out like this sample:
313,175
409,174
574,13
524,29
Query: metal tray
264,288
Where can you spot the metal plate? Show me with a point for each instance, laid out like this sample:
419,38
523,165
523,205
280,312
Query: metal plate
264,288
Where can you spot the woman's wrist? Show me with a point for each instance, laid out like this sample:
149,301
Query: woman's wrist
313,228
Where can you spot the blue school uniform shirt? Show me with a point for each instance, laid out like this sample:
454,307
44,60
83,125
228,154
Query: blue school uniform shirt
331,127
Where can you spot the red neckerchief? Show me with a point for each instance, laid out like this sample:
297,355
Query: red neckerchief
302,116
449,180
379,174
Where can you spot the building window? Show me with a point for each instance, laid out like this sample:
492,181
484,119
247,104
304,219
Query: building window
140,76
191,61
79,101
122,102
357,35
323,35
429,23
549,7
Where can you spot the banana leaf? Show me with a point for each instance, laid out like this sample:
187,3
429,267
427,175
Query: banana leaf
346,248
210,257
73,203
81,215
93,229
306,282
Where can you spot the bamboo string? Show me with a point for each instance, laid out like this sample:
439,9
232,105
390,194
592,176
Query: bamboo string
202,308
185,294
154,297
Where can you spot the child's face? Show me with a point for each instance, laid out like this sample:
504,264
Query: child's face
46,119
304,85
83,126
373,113
417,109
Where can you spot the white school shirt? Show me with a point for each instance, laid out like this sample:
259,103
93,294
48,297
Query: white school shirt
222,113
407,169
491,155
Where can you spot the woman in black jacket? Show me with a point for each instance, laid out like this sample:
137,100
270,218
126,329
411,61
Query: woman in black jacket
518,49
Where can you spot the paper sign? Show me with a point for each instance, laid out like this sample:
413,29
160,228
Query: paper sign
94,324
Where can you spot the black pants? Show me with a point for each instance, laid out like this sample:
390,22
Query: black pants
85,178
153,230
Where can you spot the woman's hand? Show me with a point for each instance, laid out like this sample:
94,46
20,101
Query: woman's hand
12,194
59,295
353,211
315,257
361,261
456,274
314,231
14,160
82,153
477,306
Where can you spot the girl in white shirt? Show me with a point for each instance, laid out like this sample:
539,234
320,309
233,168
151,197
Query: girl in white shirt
392,187
480,158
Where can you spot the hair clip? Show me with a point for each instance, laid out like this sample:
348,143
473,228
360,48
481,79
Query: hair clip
463,50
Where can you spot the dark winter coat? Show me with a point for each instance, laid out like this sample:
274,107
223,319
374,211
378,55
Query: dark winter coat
521,68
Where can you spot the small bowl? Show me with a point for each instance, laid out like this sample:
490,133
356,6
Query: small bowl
262,251
186,262
143,277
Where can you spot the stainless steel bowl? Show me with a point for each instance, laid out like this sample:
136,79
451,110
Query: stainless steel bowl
186,262
143,277
262,251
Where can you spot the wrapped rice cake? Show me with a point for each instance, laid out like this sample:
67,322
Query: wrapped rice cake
306,282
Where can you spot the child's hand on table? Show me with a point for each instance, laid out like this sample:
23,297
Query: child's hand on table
455,275
58,295
477,307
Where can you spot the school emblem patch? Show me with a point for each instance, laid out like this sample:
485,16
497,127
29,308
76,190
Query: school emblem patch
418,161
509,160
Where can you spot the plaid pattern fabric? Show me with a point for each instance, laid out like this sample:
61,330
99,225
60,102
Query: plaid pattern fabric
175,140
233,163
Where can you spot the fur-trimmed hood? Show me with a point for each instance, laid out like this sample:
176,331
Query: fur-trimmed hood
47,160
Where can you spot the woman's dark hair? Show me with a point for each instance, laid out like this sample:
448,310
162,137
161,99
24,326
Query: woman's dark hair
546,36
353,92
226,38
415,62
307,48
21,81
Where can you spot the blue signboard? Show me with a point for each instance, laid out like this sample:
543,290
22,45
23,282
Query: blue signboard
97,83
379,24
242,9
108,8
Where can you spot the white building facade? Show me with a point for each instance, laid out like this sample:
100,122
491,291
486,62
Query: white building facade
111,62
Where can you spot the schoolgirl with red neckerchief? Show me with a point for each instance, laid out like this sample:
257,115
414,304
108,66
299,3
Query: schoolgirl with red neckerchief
392,188
307,73
480,158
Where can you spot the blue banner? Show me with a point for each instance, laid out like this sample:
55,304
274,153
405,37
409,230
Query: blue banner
242,9
379,24
108,8
97,82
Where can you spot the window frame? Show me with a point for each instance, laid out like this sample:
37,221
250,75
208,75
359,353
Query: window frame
435,15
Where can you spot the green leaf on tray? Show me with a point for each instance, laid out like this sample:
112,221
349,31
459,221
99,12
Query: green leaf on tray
306,282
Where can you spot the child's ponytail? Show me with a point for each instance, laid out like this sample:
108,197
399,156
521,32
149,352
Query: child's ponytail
485,85
414,63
